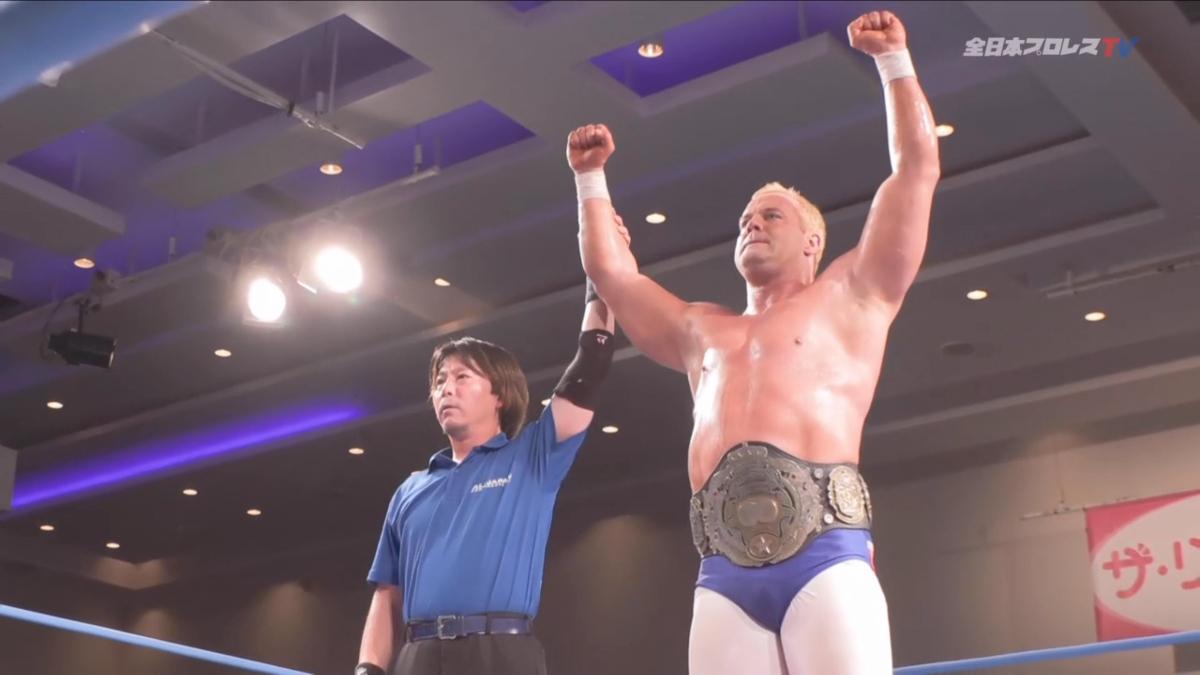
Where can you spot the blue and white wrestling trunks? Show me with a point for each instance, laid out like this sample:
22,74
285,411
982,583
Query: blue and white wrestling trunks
766,523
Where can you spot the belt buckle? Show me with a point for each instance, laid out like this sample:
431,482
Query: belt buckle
444,620
782,500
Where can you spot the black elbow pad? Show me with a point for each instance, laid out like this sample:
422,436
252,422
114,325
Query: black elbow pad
583,377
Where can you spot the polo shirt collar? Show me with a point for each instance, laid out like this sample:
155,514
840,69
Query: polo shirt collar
444,458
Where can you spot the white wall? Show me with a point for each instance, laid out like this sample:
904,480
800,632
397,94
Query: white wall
966,576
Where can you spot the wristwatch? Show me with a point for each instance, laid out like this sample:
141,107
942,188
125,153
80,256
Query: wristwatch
368,669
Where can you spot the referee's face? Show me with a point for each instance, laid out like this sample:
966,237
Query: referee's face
463,399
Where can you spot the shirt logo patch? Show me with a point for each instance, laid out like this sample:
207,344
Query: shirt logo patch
493,483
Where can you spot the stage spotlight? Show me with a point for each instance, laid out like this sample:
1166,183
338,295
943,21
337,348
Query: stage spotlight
332,260
265,299
336,269
83,349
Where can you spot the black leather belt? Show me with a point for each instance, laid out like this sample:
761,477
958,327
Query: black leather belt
453,626
762,506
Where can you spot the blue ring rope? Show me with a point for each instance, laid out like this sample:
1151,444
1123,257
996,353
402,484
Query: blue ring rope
1052,653
996,661
143,641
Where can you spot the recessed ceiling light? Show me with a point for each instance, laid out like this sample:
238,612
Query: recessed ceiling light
47,528
113,545
656,218
1095,316
977,294
356,451
331,168
610,429
191,492
54,405
85,263
943,130
441,282
253,512
650,49
223,353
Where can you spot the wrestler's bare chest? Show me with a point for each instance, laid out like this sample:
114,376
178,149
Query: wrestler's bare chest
800,376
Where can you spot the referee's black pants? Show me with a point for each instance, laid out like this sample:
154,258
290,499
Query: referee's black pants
473,655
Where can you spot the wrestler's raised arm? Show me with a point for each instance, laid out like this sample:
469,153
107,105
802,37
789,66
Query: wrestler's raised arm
655,320
888,256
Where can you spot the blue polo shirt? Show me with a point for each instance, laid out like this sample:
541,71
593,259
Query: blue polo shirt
471,538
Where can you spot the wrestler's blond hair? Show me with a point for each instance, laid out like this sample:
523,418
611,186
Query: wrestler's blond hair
809,212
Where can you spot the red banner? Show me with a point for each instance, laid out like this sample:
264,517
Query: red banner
1146,566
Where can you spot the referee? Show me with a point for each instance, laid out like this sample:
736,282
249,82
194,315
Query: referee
458,569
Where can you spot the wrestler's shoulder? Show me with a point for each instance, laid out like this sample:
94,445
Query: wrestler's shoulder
709,309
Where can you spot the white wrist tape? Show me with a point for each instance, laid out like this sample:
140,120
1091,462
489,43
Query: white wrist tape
591,184
894,65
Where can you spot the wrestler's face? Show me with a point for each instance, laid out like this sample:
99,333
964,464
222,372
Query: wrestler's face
772,237
463,399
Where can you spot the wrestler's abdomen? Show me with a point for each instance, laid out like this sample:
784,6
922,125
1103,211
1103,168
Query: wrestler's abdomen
795,383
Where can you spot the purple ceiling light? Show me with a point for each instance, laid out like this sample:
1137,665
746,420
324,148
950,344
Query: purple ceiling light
164,456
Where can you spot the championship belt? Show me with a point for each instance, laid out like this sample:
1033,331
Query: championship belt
762,506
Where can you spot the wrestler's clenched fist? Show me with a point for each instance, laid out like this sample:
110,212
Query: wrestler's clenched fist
875,33
589,147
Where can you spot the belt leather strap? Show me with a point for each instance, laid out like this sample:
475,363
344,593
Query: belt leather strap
454,626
